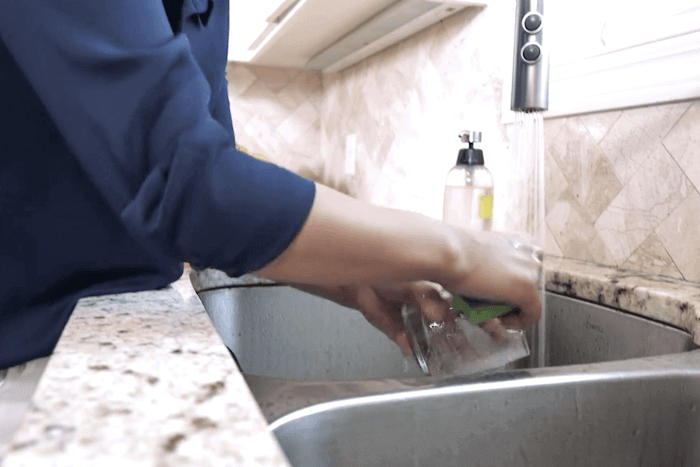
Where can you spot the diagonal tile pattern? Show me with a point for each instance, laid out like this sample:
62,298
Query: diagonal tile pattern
276,113
589,174
647,224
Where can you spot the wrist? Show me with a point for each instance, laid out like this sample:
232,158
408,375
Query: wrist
453,263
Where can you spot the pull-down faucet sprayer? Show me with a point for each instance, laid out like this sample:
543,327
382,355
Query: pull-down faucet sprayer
530,58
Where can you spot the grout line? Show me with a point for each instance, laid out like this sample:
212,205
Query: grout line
677,121
679,168
671,257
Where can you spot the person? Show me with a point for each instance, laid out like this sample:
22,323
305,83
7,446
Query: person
119,163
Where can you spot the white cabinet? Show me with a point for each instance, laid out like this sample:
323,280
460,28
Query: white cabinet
622,53
328,35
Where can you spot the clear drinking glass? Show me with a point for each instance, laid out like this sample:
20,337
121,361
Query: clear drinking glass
460,347
468,342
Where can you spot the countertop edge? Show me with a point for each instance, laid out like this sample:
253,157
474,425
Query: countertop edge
126,384
672,301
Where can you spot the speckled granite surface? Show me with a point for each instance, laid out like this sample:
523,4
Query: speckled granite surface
666,299
143,380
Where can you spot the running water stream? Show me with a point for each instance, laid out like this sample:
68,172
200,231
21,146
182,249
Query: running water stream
528,199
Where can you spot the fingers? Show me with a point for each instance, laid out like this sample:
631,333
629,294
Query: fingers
383,315
495,329
527,298
403,343
505,270
432,305
382,308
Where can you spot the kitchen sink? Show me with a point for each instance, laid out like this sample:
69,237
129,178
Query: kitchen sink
281,332
615,389
608,414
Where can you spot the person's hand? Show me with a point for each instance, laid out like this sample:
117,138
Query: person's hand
500,268
381,305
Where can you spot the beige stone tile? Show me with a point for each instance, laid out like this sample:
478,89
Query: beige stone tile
637,134
550,244
588,172
649,197
377,118
599,124
576,237
239,78
386,190
293,72
333,153
658,120
672,271
555,183
552,128
298,123
652,257
449,37
257,101
361,185
274,78
299,89
680,234
258,137
316,98
683,142
238,118
309,142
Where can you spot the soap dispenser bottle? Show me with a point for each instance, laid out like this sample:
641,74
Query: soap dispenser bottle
469,188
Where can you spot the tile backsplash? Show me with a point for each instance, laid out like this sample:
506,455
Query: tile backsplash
276,113
621,186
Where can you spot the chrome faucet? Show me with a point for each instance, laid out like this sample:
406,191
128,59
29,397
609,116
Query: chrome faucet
530,58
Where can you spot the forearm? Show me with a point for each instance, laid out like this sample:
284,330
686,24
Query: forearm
346,241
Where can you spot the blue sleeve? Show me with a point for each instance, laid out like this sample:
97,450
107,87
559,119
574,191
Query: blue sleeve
132,104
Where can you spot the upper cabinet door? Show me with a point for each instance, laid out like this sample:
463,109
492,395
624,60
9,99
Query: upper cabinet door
251,22
328,35
611,54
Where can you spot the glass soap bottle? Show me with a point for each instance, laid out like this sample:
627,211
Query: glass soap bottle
468,201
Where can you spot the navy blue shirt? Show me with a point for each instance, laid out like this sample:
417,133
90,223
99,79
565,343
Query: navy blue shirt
118,160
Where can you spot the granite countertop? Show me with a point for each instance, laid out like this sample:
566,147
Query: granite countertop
664,299
143,379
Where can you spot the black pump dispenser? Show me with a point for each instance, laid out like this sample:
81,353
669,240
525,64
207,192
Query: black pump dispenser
470,155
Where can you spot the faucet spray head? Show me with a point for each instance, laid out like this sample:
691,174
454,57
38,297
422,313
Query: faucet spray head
530,58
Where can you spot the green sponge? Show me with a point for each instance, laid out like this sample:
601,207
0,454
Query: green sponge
478,311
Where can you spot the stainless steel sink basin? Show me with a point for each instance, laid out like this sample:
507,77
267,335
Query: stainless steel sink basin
609,414
616,389
280,332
